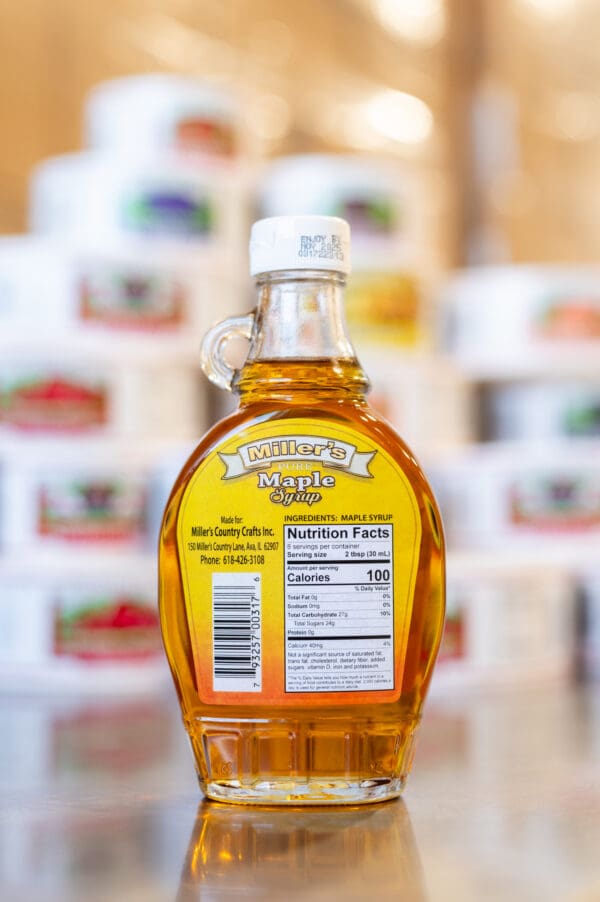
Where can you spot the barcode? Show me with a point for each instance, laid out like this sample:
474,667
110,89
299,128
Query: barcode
236,606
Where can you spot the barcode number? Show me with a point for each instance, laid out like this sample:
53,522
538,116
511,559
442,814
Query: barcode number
236,603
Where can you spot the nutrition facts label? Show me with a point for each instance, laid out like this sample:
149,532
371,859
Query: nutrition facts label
339,607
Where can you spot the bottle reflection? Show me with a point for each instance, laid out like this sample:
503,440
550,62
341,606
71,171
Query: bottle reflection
352,853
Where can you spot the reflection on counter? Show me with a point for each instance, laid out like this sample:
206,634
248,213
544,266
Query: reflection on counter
62,860
53,741
261,853
98,799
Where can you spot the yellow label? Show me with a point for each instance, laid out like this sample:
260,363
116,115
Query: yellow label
385,306
299,543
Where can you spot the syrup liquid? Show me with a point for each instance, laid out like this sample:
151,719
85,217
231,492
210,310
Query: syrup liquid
269,754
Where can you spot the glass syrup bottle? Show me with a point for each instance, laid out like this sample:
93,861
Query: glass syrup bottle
301,553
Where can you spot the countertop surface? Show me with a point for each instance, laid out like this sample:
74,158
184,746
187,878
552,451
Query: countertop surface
99,802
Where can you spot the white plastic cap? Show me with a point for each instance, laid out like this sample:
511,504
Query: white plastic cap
300,242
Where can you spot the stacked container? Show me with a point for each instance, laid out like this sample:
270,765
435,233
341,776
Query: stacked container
134,246
528,496
390,317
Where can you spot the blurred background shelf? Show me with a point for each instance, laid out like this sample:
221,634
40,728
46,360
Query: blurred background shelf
461,142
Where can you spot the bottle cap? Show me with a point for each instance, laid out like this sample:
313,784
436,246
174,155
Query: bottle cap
300,242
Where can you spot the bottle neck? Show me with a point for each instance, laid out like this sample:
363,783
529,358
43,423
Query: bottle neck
299,328
299,315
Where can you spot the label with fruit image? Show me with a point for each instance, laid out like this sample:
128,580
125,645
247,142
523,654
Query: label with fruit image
165,211
131,299
299,544
106,628
53,402
574,317
555,502
384,307
89,509
368,214
200,135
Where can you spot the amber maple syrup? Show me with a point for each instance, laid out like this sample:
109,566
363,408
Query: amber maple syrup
301,568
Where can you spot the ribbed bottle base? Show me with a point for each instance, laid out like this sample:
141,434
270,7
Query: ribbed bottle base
292,762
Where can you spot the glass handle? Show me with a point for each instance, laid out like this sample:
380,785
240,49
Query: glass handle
214,344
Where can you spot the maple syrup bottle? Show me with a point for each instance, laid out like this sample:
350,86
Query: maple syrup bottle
301,553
